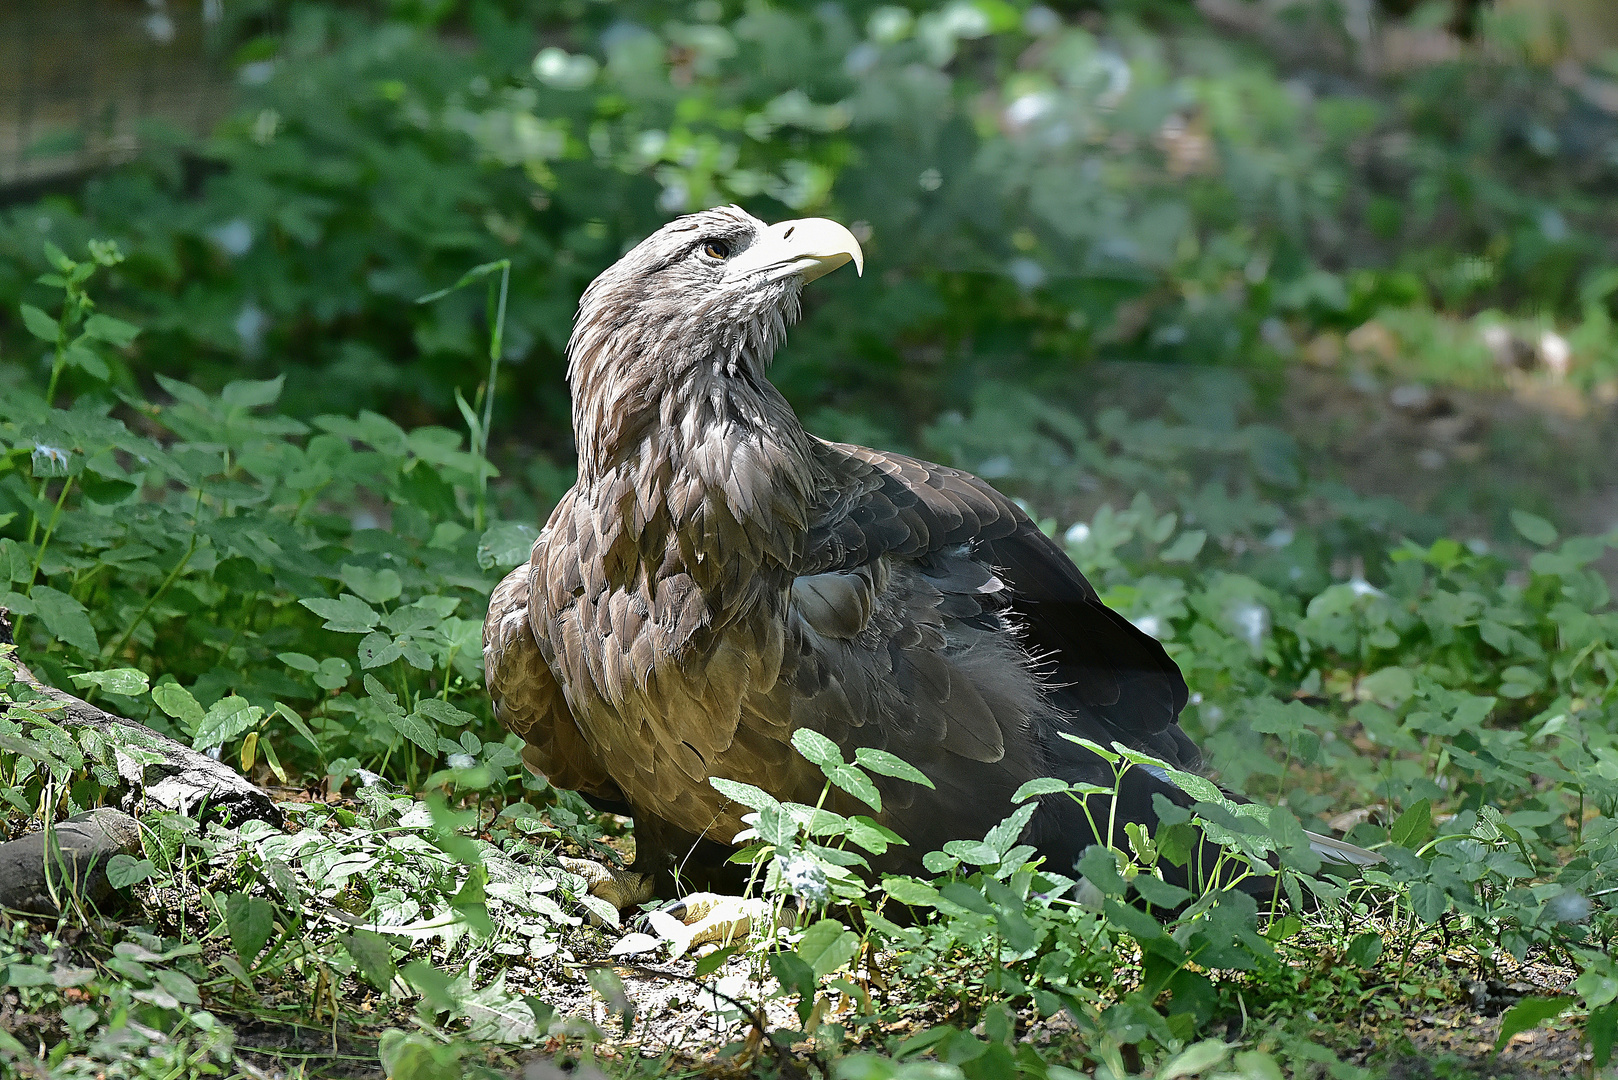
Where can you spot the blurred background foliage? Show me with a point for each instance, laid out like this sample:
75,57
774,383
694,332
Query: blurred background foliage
1230,183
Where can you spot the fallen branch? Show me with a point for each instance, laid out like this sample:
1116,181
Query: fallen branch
36,879
39,870
182,780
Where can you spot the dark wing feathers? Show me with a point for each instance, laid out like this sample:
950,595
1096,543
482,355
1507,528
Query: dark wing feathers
923,593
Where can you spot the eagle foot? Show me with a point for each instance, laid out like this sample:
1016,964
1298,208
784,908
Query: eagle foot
718,920
621,888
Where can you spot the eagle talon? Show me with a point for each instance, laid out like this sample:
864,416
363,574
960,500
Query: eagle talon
717,919
622,889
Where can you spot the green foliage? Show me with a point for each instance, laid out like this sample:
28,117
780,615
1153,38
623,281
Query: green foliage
205,527
1233,212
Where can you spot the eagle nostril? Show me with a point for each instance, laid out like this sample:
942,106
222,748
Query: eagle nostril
788,234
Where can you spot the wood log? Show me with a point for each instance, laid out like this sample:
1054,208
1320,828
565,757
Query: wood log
183,780
37,880
156,771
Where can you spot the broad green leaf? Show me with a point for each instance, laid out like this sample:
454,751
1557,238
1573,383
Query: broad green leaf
65,618
1527,1015
1364,949
471,901
963,895
298,661
855,782
749,796
908,890
880,761
252,393
1099,867
506,545
827,946
817,748
131,682
442,712
373,956
125,870
1535,529
1155,890
113,331
377,586
1040,785
251,921
346,614
1186,547
1601,1031
85,359
1414,826
176,701
16,564
714,961
226,719
1194,1060
38,323
378,650
434,986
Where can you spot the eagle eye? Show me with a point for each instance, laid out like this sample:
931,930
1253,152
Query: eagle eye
716,249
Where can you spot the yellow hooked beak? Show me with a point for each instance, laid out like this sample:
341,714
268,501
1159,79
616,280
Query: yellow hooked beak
810,247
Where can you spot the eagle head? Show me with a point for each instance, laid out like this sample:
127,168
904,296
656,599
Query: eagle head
695,310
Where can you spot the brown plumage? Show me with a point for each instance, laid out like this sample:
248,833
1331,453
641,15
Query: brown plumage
718,578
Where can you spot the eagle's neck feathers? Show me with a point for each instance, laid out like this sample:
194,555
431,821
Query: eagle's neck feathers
692,463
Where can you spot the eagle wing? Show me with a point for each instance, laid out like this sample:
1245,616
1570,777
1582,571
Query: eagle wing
933,619
527,698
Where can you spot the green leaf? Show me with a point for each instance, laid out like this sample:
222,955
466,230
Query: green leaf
251,921
855,782
1414,826
346,614
412,727
1535,529
38,323
1428,901
1040,785
471,901
1154,890
1194,1059
827,946
442,712
377,586
373,956
964,895
606,983
298,661
226,719
65,618
1527,1015
287,713
749,796
908,890
126,870
1601,1031
131,682
252,393
114,332
434,986
506,545
1186,547
817,748
1364,949
886,764
15,563
1100,868
176,701
714,961
85,359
